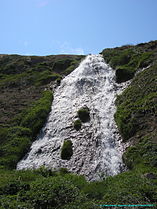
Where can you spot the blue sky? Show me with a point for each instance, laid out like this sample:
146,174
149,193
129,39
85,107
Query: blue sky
43,27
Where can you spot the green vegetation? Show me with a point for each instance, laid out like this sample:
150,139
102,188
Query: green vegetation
24,78
67,151
15,141
35,116
44,188
128,59
32,190
136,119
142,153
24,107
77,124
137,106
84,114
25,104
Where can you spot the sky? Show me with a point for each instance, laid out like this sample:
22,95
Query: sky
45,27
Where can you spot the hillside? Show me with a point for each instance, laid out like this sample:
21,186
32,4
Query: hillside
24,80
136,114
26,96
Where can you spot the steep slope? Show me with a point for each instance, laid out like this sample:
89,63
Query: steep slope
136,119
136,114
96,148
24,103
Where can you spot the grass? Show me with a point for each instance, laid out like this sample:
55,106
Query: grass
136,107
135,117
25,104
44,188
30,189
35,116
128,59
16,140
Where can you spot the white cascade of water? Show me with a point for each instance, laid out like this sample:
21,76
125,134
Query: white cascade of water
97,146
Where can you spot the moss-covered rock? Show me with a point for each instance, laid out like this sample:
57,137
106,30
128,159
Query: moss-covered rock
77,125
84,114
66,151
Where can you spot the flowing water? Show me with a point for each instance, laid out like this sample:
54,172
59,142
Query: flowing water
97,146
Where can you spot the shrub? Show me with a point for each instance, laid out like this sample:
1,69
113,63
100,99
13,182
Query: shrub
67,150
136,107
35,117
63,171
77,124
45,172
84,114
54,192
17,144
123,74
127,60
145,59
46,77
17,139
143,153
122,58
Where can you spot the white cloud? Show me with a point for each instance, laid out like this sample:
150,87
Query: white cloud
65,48
42,3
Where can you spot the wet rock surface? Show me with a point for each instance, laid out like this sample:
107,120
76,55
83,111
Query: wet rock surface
97,146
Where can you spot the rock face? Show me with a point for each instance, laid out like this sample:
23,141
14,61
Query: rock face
97,147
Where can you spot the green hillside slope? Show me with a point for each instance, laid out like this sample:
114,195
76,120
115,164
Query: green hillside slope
25,99
136,114
23,96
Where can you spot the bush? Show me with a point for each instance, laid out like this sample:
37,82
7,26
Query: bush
124,74
29,189
35,117
77,125
143,153
67,150
45,172
127,60
136,107
17,139
84,114
54,192
17,144
46,77
122,58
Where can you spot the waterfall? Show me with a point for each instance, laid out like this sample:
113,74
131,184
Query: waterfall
97,146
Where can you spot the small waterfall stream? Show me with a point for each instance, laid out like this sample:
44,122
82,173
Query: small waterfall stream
97,146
